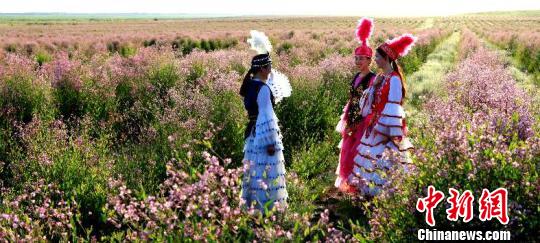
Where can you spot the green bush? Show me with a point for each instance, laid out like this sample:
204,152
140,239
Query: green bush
29,48
98,101
21,99
163,78
42,57
229,115
124,49
113,46
187,45
68,100
77,163
316,158
151,42
285,47
127,51
140,103
10,48
311,112
197,71
527,58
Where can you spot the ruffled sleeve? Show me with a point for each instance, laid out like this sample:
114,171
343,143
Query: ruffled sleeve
390,121
267,129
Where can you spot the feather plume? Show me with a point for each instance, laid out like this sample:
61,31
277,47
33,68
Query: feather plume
259,42
402,44
364,29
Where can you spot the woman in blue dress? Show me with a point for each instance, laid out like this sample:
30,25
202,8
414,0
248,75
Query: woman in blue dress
263,184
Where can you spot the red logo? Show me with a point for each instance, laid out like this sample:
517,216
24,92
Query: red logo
429,203
460,206
492,205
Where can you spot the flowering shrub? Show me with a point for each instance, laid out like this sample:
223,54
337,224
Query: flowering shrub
39,209
206,207
480,134
517,39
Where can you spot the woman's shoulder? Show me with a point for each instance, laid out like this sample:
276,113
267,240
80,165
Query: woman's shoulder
253,87
395,79
263,88
392,78
395,75
255,83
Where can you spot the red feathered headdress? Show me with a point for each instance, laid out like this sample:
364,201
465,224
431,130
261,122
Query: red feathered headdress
363,32
398,46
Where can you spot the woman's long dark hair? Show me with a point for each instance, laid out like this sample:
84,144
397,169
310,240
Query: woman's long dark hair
249,75
395,66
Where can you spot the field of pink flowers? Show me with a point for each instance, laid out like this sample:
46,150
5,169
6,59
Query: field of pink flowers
113,130
519,36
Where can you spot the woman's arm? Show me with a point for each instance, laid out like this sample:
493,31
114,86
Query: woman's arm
390,121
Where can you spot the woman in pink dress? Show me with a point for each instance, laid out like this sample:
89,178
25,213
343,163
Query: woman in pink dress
352,124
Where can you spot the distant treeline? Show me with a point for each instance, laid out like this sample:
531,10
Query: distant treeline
185,45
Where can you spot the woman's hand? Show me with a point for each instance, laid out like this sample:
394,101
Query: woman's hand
271,150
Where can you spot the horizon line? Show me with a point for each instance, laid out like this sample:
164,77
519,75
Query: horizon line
251,15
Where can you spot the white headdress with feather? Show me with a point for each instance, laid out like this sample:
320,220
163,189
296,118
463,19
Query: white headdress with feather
259,42
279,83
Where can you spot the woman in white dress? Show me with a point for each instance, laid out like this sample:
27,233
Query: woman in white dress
263,184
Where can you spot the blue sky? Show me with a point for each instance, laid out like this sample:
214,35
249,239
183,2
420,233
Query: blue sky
271,7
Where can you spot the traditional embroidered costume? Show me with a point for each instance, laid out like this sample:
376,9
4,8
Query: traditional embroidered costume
386,128
263,182
352,124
